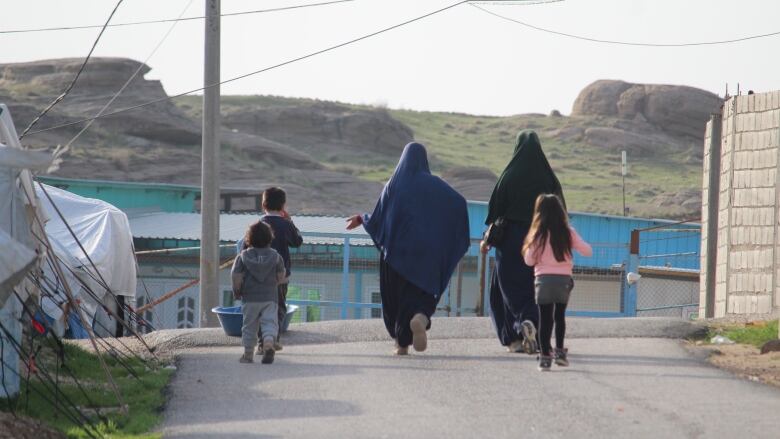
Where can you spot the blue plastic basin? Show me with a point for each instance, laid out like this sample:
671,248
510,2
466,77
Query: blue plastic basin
231,319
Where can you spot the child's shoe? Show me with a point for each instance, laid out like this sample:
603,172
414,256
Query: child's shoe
418,326
529,337
561,358
246,358
268,351
545,362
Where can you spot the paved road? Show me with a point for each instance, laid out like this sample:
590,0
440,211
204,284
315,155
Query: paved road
466,388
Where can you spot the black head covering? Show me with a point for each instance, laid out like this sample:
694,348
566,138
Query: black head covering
526,176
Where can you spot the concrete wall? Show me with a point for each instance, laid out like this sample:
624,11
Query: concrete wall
747,259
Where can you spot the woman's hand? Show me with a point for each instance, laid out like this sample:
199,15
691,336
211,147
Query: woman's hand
484,247
354,221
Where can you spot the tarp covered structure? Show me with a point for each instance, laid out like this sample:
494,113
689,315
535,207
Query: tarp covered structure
94,240
17,245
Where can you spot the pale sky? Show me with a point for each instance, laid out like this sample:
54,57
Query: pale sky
461,60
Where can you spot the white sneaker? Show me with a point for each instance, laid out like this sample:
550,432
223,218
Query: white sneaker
529,337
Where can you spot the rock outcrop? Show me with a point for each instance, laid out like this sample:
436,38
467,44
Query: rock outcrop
323,123
676,109
161,142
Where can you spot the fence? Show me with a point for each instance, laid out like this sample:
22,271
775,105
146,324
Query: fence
667,257
337,277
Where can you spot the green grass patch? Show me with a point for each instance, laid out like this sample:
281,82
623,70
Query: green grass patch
144,395
755,335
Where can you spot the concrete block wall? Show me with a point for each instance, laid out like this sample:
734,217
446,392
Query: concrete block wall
748,268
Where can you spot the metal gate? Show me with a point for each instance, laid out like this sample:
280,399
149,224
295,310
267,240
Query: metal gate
667,258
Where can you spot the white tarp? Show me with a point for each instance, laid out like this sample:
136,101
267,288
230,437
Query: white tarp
102,230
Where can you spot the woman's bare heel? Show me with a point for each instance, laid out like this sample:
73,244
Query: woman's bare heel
418,324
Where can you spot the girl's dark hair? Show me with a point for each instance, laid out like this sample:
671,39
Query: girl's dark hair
258,235
550,222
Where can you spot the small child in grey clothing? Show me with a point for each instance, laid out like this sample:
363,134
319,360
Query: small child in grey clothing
256,274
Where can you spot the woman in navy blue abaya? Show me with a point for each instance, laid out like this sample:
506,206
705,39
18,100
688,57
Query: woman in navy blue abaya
513,307
420,227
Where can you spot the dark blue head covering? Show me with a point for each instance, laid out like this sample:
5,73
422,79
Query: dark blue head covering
420,223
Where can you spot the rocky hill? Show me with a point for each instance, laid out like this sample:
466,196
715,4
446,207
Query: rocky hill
333,157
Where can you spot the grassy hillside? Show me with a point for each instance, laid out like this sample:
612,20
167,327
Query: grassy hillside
589,174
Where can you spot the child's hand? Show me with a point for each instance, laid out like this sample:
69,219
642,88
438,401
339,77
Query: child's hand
484,247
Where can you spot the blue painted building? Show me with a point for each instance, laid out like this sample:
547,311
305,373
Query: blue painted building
334,281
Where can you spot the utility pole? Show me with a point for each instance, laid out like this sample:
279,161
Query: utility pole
623,172
209,200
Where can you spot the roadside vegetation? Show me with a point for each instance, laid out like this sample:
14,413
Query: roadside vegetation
143,394
753,333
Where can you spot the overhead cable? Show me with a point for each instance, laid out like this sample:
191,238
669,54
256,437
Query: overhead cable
625,43
169,20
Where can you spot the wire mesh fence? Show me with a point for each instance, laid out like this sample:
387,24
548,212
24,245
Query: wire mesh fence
327,285
336,277
669,259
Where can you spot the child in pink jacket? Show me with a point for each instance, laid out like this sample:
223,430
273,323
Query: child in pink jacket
548,248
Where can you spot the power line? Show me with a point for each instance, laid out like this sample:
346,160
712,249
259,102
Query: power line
75,78
256,72
625,43
169,20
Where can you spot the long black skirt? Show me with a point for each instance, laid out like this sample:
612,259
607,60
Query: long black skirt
401,300
512,287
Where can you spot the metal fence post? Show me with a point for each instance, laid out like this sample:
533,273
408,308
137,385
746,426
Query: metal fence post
345,281
629,305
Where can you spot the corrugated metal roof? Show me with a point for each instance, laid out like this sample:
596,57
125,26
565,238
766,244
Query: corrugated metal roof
187,226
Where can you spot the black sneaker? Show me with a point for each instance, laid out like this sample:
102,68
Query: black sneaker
529,337
545,362
561,358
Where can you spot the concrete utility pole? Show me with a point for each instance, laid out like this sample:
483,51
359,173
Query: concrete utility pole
209,201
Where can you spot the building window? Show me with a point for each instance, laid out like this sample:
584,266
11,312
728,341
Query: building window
376,298
186,315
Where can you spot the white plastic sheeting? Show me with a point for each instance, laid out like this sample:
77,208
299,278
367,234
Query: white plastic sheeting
102,230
